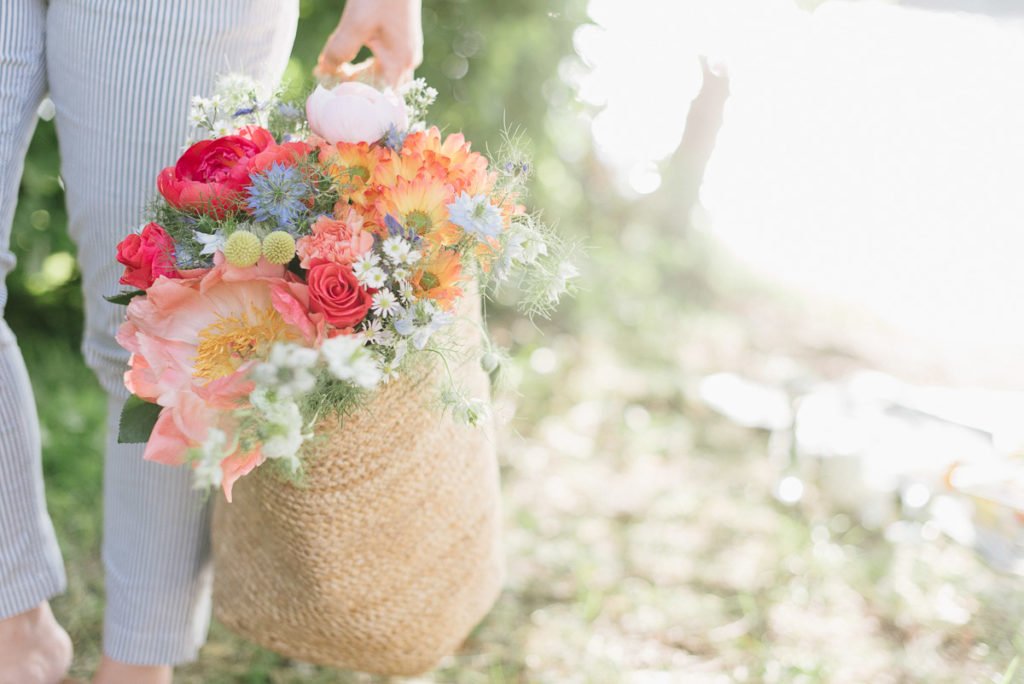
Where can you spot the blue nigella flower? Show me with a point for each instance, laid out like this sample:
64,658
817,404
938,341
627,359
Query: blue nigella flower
397,229
288,111
244,111
394,138
476,215
277,195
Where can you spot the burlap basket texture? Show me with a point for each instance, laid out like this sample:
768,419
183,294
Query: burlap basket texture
387,554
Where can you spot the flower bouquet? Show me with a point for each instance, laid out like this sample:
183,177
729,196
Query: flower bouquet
306,304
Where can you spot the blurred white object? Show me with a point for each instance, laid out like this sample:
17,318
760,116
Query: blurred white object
873,450
994,497
747,403
885,450
47,110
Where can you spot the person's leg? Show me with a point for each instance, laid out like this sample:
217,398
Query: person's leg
33,648
122,73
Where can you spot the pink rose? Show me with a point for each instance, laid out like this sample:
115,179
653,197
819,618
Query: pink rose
354,112
147,256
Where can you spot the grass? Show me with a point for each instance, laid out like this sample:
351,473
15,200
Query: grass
643,543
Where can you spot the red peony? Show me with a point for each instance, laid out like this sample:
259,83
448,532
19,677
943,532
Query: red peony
211,175
147,256
335,292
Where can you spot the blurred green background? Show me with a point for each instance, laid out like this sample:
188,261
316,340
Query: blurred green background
691,572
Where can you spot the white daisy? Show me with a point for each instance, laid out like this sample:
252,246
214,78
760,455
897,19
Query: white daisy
371,329
375,278
405,291
385,303
365,263
395,249
389,370
385,337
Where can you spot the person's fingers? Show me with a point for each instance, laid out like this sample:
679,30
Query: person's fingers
394,66
362,71
406,76
341,48
391,29
388,72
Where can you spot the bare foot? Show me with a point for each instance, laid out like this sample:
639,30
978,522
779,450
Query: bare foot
113,672
34,648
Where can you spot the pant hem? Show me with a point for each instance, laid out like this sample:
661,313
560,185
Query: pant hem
134,648
24,596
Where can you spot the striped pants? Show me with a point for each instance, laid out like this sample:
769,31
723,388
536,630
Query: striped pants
121,73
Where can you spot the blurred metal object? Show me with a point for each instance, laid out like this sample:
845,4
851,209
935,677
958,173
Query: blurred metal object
993,8
886,451
873,449
993,494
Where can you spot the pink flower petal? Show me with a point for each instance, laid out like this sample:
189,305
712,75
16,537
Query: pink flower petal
238,465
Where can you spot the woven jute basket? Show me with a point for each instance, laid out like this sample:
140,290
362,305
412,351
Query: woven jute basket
387,553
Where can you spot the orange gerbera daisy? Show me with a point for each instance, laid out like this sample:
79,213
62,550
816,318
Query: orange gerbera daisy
351,166
422,205
438,278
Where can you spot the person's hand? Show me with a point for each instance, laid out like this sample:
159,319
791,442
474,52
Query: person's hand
393,31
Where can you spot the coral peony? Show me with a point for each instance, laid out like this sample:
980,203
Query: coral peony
210,176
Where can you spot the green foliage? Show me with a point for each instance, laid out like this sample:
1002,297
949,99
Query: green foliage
51,306
330,399
123,298
137,420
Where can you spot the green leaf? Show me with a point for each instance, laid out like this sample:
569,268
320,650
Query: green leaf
1011,670
123,297
137,420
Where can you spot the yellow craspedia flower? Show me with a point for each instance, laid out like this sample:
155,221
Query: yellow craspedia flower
279,247
242,249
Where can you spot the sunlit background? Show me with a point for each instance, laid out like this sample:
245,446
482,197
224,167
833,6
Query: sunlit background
870,152
776,437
